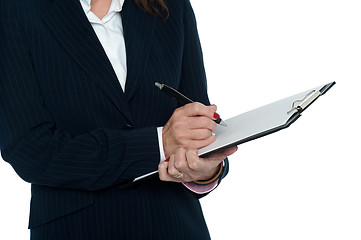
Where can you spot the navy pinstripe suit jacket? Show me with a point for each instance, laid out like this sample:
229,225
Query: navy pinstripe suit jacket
67,127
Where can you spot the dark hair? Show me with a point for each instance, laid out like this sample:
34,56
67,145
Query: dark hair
156,8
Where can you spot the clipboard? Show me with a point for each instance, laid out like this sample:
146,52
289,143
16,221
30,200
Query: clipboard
263,121
259,122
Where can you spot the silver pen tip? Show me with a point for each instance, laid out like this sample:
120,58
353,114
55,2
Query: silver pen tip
223,123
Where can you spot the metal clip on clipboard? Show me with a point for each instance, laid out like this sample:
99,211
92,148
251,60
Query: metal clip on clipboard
305,102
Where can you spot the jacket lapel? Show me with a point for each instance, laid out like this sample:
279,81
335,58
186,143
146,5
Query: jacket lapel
138,30
69,24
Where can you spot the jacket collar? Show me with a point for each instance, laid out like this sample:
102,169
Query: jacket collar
70,26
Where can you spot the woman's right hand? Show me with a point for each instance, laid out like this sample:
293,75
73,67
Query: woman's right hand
189,127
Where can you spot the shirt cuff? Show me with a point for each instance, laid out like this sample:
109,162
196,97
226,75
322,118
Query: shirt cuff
160,142
201,189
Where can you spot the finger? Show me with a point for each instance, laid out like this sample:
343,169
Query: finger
185,134
202,143
180,161
201,165
176,169
201,122
230,151
194,162
164,175
200,168
195,144
214,107
184,129
172,170
181,164
163,172
198,109
197,134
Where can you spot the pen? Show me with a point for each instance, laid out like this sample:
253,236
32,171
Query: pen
182,99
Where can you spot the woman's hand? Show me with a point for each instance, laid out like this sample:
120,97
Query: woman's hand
189,127
186,166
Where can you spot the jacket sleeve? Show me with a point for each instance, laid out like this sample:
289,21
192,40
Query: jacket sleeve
193,78
37,150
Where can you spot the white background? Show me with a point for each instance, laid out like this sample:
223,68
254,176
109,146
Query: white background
303,182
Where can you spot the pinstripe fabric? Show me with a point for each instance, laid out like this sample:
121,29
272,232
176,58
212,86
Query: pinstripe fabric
67,127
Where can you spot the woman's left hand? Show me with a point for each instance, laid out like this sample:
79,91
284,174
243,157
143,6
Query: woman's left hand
186,166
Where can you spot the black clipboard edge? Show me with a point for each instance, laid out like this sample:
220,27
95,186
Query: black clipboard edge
326,88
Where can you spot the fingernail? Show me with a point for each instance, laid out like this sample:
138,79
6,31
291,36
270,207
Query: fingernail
216,115
167,160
